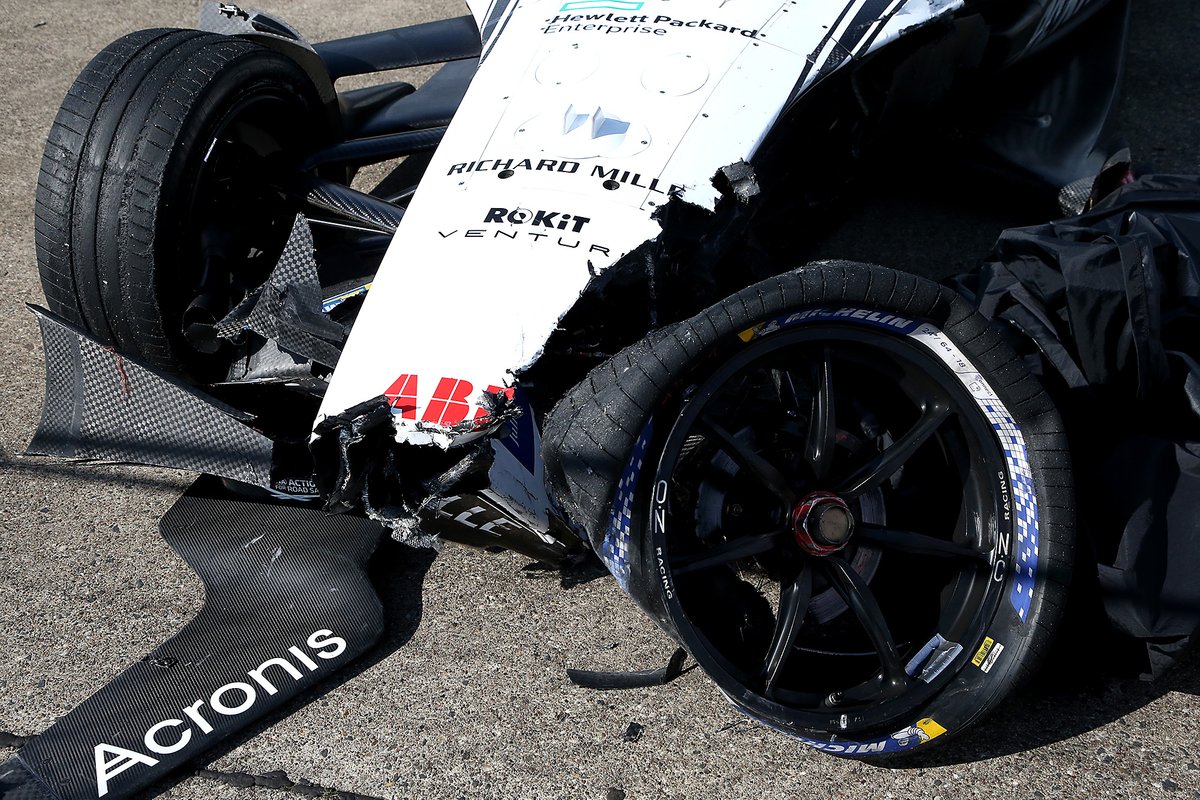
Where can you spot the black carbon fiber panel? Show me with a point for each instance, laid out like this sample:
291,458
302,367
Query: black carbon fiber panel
435,103
18,783
287,604
102,406
287,308
355,205
400,48
371,149
230,20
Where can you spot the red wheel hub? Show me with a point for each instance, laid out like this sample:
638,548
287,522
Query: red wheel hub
822,524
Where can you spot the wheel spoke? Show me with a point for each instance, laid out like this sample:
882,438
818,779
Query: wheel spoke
822,424
783,379
855,592
794,598
765,472
885,464
916,543
732,550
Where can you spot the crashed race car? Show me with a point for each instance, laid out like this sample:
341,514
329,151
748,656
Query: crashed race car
569,322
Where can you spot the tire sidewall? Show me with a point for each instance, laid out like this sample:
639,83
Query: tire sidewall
1001,655
256,70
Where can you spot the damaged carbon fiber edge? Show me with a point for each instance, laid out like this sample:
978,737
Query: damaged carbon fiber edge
359,465
362,463
288,307
700,256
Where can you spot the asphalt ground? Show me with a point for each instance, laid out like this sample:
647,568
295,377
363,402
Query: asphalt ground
467,697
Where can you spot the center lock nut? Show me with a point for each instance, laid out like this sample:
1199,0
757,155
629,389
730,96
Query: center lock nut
822,524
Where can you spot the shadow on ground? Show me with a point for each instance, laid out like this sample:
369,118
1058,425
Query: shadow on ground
1091,677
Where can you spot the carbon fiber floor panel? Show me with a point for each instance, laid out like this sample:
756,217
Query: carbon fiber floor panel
287,604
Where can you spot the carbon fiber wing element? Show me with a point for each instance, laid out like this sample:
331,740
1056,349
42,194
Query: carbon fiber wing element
287,604
103,406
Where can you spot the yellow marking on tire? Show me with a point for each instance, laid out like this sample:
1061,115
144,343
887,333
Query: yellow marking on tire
983,650
932,729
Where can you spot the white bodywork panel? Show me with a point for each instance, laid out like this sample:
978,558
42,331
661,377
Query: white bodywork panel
581,119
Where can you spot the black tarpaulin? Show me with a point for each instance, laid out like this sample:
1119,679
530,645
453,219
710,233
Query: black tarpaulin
1106,307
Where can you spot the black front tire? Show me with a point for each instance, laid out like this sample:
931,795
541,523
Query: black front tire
659,456
157,205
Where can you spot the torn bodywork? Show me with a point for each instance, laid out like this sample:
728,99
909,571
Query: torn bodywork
574,242
652,187
591,147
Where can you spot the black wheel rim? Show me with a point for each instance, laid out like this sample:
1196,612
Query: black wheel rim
830,503
234,210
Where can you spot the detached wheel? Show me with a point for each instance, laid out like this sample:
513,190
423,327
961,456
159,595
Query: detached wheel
849,502
160,202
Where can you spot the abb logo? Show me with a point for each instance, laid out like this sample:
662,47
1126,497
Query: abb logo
449,405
